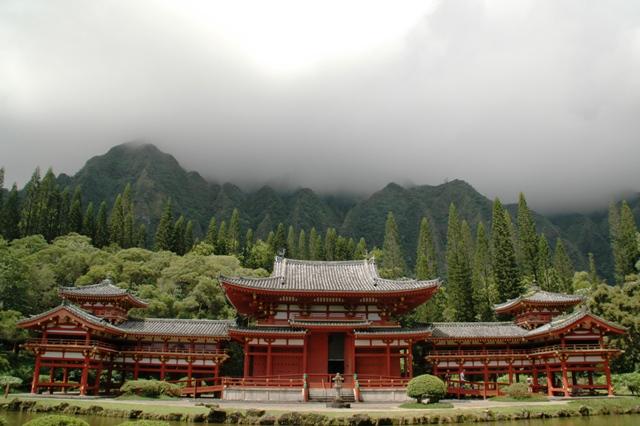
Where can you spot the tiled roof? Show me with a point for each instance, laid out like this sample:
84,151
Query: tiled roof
267,330
565,320
542,297
177,327
394,330
344,276
105,288
74,310
468,330
330,323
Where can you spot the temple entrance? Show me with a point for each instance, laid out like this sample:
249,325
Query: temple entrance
336,353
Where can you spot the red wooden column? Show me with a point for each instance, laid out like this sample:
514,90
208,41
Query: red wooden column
36,373
52,372
549,380
565,380
535,375
85,374
485,378
245,372
269,360
136,366
305,356
65,378
410,359
607,374
388,355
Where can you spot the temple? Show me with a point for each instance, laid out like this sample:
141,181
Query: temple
311,320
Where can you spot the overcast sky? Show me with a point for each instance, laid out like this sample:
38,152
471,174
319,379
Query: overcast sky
534,96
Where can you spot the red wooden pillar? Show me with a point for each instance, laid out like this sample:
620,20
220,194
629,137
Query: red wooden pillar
565,380
52,378
65,378
549,380
189,370
109,378
510,371
269,360
535,375
607,374
485,378
410,359
305,356
36,373
96,386
245,372
85,374
388,355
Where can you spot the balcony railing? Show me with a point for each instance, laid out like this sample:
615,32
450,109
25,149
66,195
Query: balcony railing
510,352
74,343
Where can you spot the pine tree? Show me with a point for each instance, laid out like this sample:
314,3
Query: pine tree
467,239
233,233
29,212
616,249
164,232
627,243
528,239
330,240
351,248
482,276
11,215
248,246
74,222
188,237
129,231
426,259
65,208
102,228
291,243
544,265
116,222
212,234
141,236
564,268
360,251
315,245
279,240
505,267
302,245
49,200
89,222
342,249
593,271
459,284
392,260
179,228
222,244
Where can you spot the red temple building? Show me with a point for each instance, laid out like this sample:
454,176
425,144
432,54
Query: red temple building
309,321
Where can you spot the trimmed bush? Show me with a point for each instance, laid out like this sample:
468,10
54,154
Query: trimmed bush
144,423
428,387
3,421
517,391
150,388
56,420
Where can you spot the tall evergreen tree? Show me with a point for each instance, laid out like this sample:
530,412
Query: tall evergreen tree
482,276
360,251
74,222
49,207
141,236
222,244
248,246
351,248
626,248
102,227
233,233
291,243
189,239
505,267
426,258
342,249
393,265
563,266
116,222
302,245
164,232
528,239
330,240
544,265
11,215
65,209
459,283
179,228
212,233
315,245
29,211
279,240
89,222
593,271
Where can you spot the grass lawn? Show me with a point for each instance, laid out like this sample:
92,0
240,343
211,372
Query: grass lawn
420,406
532,398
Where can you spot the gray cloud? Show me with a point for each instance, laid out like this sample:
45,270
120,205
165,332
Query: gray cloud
542,98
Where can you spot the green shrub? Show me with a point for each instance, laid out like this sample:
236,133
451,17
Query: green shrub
426,386
517,391
144,423
56,420
150,388
3,421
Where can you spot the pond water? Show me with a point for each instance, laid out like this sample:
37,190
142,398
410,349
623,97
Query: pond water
17,419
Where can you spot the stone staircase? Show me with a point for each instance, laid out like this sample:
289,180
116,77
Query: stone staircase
328,395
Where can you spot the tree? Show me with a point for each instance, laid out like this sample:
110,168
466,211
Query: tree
48,207
65,208
116,222
392,260
505,267
428,387
483,287
544,264
141,236
188,237
233,233
459,284
343,252
330,240
426,259
10,224
179,229
8,381
74,222
222,244
593,271
315,245
89,222
626,248
563,267
291,243
102,228
279,242
360,252
29,212
212,232
528,239
302,245
164,232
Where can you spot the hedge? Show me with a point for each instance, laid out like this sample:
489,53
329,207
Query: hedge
150,388
426,386
517,391
56,420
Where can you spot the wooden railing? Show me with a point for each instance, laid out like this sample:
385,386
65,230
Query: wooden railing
70,342
509,352
483,389
160,352
274,381
370,381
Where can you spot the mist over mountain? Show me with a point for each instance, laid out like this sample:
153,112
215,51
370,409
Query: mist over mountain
155,176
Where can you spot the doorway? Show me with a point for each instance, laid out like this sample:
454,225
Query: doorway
336,353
